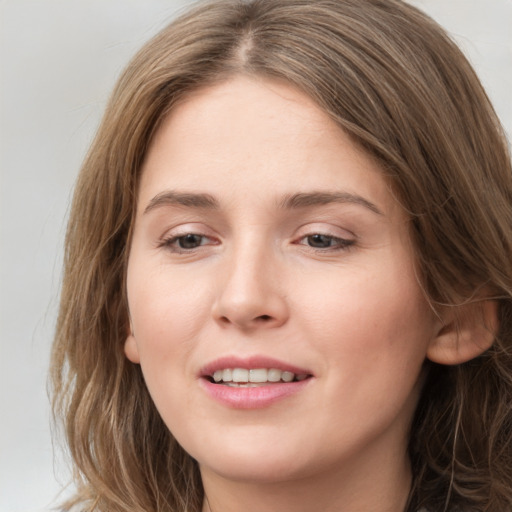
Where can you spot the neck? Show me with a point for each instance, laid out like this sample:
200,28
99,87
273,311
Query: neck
357,488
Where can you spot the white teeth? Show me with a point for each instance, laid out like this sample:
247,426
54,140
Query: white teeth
274,375
259,375
240,376
287,376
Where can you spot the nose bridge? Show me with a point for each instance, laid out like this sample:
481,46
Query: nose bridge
249,293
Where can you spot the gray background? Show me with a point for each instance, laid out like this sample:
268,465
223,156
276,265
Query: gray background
58,61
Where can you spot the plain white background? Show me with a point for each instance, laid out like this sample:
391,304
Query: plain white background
58,62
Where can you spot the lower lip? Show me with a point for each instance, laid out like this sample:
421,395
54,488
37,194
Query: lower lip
253,398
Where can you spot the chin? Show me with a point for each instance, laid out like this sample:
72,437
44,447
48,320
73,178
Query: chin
269,471
255,462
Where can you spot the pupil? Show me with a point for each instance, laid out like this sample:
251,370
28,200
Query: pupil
319,241
189,241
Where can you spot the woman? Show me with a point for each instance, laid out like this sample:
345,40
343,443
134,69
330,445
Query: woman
287,280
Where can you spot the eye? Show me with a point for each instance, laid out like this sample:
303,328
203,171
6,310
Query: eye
321,241
190,241
186,242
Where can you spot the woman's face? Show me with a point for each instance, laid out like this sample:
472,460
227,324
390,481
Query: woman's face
268,248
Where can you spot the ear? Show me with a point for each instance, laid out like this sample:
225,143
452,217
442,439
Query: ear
467,331
131,350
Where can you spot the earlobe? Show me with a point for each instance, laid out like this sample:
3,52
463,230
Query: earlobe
467,332
131,350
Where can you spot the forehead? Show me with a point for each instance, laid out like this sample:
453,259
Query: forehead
253,135
241,109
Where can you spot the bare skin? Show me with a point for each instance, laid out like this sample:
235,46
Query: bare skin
264,232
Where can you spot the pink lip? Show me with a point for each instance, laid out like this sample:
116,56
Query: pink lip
256,397
252,398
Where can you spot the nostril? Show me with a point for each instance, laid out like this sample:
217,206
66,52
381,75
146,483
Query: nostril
264,318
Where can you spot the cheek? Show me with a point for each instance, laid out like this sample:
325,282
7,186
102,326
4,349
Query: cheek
160,300
167,315
167,311
370,320
373,334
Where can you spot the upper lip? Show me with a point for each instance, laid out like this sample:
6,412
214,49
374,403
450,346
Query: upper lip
249,363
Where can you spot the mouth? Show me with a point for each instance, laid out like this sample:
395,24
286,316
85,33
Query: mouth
253,382
254,377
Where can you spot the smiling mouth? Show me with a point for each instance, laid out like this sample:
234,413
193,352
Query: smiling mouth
257,377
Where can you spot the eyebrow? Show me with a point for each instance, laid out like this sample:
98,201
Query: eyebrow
289,202
308,199
191,200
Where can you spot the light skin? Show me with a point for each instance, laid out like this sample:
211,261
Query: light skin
263,230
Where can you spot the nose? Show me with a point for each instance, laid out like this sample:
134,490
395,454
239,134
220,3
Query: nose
249,294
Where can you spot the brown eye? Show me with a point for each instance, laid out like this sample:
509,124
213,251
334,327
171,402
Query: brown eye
189,241
319,241
322,241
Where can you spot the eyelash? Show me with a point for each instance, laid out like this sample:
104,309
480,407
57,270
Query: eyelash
339,244
336,243
173,242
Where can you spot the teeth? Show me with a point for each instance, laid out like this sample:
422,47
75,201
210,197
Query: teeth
242,377
259,375
287,376
274,375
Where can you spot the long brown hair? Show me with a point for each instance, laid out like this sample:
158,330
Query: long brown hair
392,79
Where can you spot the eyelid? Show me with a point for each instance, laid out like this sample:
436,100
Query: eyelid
171,244
182,229
342,239
194,228
340,244
325,228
